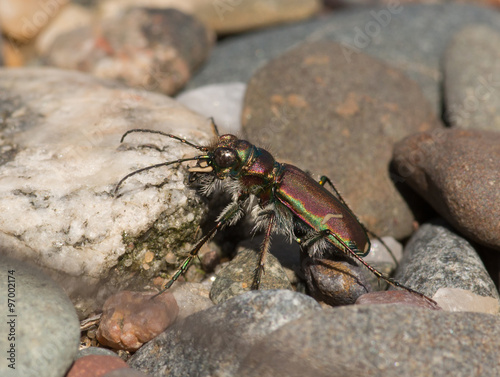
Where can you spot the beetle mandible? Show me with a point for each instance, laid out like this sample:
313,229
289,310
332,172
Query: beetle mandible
289,201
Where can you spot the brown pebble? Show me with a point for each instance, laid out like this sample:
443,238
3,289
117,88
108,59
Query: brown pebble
95,366
457,172
335,283
130,319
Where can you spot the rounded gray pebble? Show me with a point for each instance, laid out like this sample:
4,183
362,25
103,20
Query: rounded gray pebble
436,257
237,277
471,79
379,340
46,328
214,341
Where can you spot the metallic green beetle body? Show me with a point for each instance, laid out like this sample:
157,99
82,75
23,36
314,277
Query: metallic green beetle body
295,189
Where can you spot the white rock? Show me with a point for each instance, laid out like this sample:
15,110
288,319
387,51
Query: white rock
380,254
461,300
223,102
61,161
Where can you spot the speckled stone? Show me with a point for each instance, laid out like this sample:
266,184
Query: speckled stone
60,161
381,341
324,114
237,277
457,172
472,79
436,257
38,322
214,341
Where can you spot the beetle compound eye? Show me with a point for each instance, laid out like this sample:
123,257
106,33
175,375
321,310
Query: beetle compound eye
224,157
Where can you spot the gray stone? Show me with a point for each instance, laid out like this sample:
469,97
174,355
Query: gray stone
435,258
456,171
404,35
237,277
472,79
191,298
381,341
214,341
324,114
60,161
39,326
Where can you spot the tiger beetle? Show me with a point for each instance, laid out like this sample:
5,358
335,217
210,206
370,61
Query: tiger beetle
289,201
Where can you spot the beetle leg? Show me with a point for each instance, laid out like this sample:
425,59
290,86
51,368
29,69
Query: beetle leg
306,242
227,216
264,249
377,273
322,181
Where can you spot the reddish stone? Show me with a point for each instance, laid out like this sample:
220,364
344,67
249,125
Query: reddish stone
456,171
130,319
95,366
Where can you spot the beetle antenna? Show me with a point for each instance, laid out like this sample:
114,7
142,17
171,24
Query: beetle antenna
214,126
184,141
196,158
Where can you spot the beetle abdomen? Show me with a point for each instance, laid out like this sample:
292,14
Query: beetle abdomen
319,208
